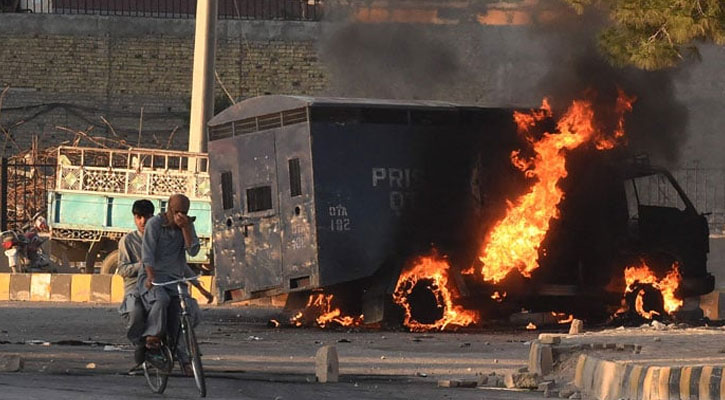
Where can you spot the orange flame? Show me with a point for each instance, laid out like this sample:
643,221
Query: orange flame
531,326
667,286
319,305
499,297
435,270
561,318
514,242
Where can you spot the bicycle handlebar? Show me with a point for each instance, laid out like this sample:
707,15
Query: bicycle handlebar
194,278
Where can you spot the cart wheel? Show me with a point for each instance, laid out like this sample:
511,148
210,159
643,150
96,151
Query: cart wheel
110,263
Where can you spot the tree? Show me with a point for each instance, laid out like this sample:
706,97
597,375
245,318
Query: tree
657,34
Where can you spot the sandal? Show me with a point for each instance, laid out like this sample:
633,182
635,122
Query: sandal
153,342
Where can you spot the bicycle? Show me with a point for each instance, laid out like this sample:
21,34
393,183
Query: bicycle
158,365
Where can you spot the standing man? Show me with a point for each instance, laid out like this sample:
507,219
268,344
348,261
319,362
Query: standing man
166,241
129,267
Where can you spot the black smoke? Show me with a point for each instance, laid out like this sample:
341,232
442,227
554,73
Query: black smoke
393,61
577,68
503,66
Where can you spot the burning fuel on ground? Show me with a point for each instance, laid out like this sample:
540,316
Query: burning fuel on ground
320,312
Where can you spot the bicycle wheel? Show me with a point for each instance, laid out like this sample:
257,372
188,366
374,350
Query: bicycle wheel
194,356
157,367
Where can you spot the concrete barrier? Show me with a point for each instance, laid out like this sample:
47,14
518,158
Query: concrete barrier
612,380
77,288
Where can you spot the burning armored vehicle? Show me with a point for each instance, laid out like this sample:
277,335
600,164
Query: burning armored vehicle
351,196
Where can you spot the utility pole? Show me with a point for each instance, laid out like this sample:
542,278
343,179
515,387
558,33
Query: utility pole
202,89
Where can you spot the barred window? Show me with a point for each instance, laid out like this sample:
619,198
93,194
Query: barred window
227,190
295,179
259,198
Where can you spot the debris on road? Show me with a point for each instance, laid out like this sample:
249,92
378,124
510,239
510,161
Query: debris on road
546,385
91,366
327,366
577,327
525,380
547,338
11,363
659,326
452,383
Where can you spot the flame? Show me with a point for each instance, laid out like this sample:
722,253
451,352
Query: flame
514,242
296,320
624,105
499,297
319,306
435,270
531,326
561,318
667,286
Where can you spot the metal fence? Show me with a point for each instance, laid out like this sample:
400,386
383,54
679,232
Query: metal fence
297,10
23,191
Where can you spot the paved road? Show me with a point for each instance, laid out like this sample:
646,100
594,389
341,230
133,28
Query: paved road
78,352
26,386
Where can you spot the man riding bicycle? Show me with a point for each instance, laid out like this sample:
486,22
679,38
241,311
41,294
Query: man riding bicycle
167,238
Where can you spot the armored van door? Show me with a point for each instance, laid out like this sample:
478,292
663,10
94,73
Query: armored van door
296,207
259,219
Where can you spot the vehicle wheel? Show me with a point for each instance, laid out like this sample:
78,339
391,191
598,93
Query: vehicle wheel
157,370
195,357
110,263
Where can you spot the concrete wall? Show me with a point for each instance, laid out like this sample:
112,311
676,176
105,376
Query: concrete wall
71,70
67,70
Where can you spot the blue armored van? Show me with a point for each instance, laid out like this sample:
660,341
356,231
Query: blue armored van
334,194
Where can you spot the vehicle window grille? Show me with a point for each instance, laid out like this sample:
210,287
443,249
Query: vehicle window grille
248,125
259,199
295,179
227,190
296,116
221,132
261,123
270,121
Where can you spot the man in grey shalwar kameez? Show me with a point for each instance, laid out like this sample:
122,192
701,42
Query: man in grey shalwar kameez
167,239
129,267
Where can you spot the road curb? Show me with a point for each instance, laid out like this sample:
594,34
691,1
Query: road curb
613,380
76,288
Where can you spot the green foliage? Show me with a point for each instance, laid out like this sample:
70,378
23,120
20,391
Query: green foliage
656,34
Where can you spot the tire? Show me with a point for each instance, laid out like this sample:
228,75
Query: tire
157,376
110,263
195,356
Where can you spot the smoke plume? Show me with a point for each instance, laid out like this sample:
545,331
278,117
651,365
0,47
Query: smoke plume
658,122
503,66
